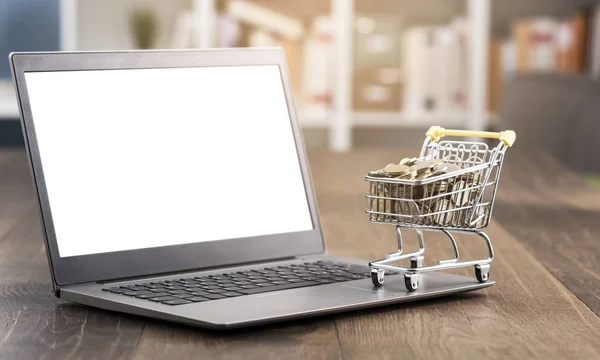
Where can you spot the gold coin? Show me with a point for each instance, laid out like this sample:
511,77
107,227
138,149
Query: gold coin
436,188
439,169
396,170
423,166
400,191
423,175
403,207
410,175
461,197
473,178
379,173
408,161
450,168
481,216
444,208
382,205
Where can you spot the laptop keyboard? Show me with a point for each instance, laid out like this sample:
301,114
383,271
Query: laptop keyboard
233,284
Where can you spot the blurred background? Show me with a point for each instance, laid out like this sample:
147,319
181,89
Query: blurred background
365,72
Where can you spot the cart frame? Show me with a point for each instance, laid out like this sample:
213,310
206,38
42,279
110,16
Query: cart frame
391,201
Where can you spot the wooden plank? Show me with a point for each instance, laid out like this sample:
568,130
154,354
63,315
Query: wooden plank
548,207
33,323
528,314
306,339
551,210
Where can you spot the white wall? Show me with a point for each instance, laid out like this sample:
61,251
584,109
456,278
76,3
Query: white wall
104,25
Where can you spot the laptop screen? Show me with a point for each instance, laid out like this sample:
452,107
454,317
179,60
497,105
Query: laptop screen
145,158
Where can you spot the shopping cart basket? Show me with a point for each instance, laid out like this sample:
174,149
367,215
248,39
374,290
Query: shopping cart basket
458,201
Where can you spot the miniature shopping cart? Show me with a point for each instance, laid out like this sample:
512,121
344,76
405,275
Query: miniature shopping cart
459,201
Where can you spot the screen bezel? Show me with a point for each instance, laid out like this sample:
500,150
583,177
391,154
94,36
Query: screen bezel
166,259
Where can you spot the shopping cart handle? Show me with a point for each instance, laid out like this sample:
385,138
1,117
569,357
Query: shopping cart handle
508,137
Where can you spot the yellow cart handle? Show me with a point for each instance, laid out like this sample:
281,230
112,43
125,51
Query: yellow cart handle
508,137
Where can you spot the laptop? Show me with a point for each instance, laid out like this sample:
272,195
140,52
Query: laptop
175,185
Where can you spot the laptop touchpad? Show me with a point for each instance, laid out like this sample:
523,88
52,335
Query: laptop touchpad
323,299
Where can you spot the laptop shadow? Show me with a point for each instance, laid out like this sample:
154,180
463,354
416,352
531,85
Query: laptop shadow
287,331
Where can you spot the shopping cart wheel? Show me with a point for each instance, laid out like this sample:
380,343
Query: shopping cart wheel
482,272
377,276
411,281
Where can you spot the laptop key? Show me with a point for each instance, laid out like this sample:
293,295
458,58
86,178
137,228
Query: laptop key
232,288
231,294
162,298
194,289
278,287
282,282
156,295
216,277
176,302
115,290
208,295
214,296
243,283
216,291
248,286
183,296
258,280
159,289
197,299
147,296
177,292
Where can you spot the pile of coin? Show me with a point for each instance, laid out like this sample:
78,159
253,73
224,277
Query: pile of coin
447,202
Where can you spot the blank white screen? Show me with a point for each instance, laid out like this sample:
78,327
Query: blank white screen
153,157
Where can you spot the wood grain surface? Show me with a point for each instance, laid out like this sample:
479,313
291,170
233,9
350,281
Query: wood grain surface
541,307
556,215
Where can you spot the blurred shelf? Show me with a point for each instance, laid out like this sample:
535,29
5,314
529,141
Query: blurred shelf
322,119
399,119
9,110
311,118
314,117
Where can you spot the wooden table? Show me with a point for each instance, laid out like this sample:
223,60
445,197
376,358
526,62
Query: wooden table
545,304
